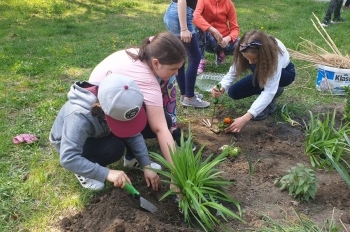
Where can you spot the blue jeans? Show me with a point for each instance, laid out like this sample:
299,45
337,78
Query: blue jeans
333,7
186,79
245,88
207,42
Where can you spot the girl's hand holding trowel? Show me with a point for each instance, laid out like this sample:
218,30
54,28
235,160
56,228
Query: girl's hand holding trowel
151,178
118,178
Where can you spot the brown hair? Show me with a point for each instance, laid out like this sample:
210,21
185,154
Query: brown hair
96,110
165,47
267,59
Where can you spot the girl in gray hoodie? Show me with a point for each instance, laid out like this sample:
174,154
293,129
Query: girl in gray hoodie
93,127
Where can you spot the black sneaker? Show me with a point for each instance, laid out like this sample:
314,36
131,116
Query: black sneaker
278,93
177,137
338,20
325,23
270,108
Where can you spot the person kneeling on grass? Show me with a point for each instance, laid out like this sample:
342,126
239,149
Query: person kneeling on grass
334,8
272,70
95,125
217,29
153,66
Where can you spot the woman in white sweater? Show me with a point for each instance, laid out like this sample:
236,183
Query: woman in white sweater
272,70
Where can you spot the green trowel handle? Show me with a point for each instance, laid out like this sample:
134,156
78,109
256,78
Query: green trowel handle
216,100
128,187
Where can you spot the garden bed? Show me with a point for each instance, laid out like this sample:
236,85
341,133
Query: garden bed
279,146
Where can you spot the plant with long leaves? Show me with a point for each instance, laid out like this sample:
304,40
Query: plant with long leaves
252,165
285,113
322,135
342,166
199,186
347,106
300,182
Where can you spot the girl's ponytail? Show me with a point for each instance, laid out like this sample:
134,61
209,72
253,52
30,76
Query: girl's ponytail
165,47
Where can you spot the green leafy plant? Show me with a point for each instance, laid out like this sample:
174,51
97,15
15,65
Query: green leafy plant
232,150
322,135
199,185
285,113
347,106
300,183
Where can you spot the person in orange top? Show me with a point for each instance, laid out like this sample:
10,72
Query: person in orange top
217,29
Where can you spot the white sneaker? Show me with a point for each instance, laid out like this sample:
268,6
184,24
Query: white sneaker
134,164
91,184
195,102
196,94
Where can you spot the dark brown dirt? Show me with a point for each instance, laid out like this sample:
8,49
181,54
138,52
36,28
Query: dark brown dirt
277,144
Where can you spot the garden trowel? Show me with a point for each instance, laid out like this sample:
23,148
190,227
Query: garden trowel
143,202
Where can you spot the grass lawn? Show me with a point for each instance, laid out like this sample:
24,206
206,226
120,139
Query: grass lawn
47,45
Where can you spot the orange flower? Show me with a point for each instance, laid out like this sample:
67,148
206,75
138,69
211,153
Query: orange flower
228,121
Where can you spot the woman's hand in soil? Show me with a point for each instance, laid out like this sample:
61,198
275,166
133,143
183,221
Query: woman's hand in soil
118,178
151,178
215,92
238,123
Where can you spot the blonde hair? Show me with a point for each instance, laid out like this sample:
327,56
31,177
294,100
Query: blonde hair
267,56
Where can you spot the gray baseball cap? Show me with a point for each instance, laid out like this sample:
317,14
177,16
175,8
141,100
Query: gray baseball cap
122,102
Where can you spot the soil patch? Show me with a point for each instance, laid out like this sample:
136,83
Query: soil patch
278,145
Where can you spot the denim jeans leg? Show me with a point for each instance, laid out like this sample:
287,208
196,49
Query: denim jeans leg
180,79
330,10
194,58
338,9
211,43
201,42
230,48
243,88
287,75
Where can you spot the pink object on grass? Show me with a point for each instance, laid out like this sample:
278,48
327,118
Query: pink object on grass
25,138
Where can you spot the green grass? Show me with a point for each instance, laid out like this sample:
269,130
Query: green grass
47,45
